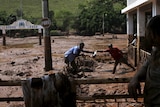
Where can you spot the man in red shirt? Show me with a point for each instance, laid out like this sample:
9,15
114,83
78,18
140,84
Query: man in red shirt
117,56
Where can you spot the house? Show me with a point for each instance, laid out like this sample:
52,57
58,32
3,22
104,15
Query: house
138,13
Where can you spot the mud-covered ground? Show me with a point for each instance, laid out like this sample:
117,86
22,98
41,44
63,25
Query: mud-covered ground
24,58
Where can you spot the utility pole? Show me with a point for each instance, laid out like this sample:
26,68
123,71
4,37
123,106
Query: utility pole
21,9
103,24
47,39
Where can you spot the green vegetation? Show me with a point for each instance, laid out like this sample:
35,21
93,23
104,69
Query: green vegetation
100,13
86,17
34,7
29,7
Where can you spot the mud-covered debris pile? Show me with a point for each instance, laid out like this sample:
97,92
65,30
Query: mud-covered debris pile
86,63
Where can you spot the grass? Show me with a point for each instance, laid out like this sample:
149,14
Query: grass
34,7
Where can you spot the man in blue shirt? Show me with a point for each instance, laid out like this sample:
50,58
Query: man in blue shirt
72,53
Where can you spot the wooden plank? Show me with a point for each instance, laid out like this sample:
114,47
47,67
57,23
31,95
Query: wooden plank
76,81
82,98
101,80
11,99
89,98
10,83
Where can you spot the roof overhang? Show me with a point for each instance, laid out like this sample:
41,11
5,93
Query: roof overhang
133,5
20,24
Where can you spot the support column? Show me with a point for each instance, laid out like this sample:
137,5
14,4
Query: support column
155,7
40,36
129,26
4,37
140,30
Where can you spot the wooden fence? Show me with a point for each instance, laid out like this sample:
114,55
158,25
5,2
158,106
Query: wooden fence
77,82
143,56
102,97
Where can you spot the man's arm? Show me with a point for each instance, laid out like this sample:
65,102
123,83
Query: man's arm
134,85
103,51
141,74
87,51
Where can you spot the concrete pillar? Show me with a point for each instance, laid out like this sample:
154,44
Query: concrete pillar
129,24
155,7
140,29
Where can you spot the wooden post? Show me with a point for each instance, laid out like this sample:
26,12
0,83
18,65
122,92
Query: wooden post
40,38
4,39
47,39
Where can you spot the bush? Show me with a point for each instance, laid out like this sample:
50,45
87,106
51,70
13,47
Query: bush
56,33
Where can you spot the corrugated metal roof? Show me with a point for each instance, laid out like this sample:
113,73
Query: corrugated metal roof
134,5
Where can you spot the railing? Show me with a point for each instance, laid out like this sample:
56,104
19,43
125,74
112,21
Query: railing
103,81
96,99
143,56
132,55
78,82
10,83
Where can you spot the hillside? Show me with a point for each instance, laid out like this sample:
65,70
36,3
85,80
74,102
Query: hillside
34,7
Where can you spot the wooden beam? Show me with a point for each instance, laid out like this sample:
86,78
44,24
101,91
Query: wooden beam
76,80
101,80
11,99
89,98
10,82
81,98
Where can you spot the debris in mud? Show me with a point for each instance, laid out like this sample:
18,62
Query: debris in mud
84,63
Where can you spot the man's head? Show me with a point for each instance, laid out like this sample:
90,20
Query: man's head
81,45
135,35
153,31
110,46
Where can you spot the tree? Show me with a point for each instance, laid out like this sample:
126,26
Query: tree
93,14
3,17
65,18
11,18
19,13
53,21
